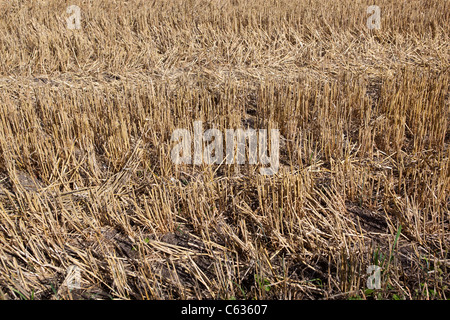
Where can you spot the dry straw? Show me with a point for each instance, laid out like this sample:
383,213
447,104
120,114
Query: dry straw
86,177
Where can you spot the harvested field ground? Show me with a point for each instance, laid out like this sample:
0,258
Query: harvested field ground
87,182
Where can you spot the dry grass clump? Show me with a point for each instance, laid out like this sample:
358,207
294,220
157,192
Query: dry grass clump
86,177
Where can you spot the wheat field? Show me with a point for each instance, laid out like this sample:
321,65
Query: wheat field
87,182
